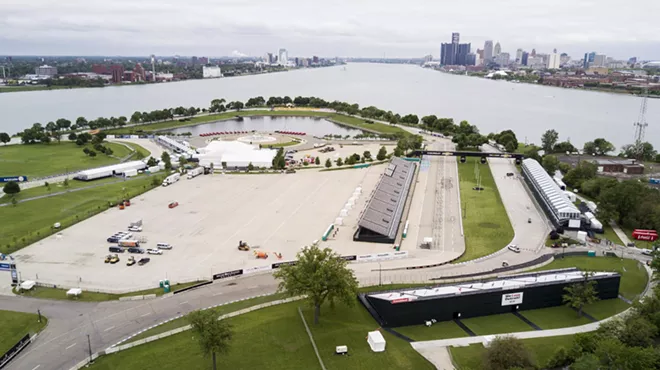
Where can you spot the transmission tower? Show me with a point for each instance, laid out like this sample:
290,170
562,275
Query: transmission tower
640,127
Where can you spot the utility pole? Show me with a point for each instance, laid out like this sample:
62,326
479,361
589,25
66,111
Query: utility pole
89,346
39,313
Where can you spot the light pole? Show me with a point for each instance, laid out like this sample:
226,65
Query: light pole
380,274
89,346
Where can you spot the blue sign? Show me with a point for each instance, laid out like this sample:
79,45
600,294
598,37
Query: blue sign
14,179
7,266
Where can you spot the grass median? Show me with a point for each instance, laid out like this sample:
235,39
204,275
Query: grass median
31,221
485,222
86,296
40,160
15,325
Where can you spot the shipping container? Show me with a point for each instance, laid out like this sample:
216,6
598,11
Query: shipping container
171,179
129,243
195,172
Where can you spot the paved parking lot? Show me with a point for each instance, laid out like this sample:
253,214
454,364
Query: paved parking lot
280,213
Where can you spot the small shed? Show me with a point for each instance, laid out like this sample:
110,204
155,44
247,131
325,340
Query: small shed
74,292
376,341
27,285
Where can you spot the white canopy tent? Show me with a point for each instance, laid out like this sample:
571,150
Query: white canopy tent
27,285
376,341
75,292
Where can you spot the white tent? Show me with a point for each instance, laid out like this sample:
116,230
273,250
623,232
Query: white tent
343,213
27,285
351,201
348,206
74,292
339,221
376,341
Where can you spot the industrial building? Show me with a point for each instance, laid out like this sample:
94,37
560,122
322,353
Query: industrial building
175,146
45,70
211,72
234,155
107,171
627,166
415,306
552,199
381,218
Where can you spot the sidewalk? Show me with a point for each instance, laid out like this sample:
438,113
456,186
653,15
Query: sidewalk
620,233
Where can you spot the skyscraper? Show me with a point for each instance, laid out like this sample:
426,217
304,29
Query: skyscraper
454,53
283,57
462,53
588,59
524,58
533,53
553,61
488,51
498,49
519,54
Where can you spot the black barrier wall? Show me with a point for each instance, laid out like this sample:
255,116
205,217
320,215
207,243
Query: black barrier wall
473,304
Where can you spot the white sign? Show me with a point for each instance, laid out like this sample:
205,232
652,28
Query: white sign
382,256
510,299
253,270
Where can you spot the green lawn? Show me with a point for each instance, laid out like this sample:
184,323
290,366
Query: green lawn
485,221
541,349
439,330
39,160
633,275
603,309
557,317
138,149
33,220
275,338
10,89
361,123
496,324
15,325
220,310
56,293
609,234
56,188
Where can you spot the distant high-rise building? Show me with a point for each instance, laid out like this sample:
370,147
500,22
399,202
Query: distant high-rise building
519,54
203,60
462,53
283,57
428,58
533,53
564,58
211,72
488,51
117,71
471,59
498,49
315,59
524,58
503,59
194,61
454,53
588,59
600,60
138,73
100,69
632,61
45,70
553,60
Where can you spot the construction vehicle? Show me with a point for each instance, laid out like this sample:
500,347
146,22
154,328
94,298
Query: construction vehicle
261,254
243,246
108,258
114,259
131,261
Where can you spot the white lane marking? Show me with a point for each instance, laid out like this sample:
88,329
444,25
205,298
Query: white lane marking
110,328
71,346
254,287
216,294
36,367
184,302
146,314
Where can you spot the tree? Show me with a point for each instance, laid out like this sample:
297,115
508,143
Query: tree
599,146
366,154
250,167
340,162
4,138
66,183
382,153
398,152
213,335
182,161
63,124
642,151
580,294
167,160
11,188
559,359
550,164
637,331
548,141
81,122
505,353
92,153
317,161
582,172
321,275
587,361
152,162
328,163
73,136
47,185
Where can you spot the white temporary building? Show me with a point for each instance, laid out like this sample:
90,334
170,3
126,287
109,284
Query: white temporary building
339,221
235,154
107,171
376,341
27,285
178,147
75,292
555,202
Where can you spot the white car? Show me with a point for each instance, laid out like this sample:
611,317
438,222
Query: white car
154,251
514,248
647,252
135,228
163,246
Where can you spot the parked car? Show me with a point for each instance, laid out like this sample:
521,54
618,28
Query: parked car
509,174
135,250
514,248
173,204
130,261
154,251
116,249
647,252
114,259
135,228
163,246
112,239
143,261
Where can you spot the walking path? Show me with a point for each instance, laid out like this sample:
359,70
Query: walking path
620,233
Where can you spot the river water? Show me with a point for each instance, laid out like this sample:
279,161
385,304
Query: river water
528,110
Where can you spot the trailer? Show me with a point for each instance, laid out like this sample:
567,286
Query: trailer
195,172
130,173
107,171
171,179
649,235
129,243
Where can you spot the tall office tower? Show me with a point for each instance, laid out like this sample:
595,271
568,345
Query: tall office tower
283,57
498,49
488,51
519,54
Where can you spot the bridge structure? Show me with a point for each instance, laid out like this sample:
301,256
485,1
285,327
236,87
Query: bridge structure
463,155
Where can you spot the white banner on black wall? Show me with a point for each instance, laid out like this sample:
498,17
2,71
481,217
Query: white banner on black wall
512,298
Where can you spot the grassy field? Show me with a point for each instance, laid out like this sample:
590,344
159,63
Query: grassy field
56,188
39,160
10,89
470,358
609,234
275,338
33,220
56,293
496,324
15,325
138,149
486,224
361,123
439,330
557,317
633,275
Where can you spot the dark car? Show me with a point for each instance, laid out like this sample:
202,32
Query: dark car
116,249
135,250
143,261
112,239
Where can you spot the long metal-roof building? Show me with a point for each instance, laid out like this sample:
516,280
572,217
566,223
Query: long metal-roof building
381,218
552,199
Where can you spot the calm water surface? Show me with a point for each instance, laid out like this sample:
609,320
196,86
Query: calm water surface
529,110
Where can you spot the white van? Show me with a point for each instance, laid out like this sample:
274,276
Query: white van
163,246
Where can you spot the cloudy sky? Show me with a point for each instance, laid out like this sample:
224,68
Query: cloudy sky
359,28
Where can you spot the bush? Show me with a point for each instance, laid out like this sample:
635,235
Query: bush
505,353
11,187
559,359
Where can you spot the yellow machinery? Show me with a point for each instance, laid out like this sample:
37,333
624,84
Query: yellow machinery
243,246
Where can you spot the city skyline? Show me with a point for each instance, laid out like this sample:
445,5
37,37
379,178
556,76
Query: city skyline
202,27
